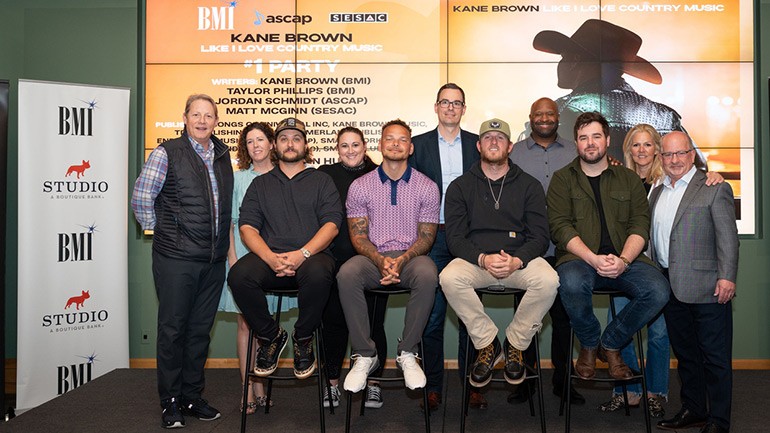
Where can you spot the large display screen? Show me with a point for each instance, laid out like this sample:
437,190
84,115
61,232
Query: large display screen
676,65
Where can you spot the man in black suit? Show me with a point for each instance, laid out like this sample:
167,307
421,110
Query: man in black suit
443,154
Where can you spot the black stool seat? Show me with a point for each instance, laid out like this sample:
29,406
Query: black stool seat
382,290
570,374
319,372
532,373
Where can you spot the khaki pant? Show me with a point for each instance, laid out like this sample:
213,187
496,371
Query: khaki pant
460,278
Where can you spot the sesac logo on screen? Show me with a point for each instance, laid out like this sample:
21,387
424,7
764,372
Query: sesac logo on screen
350,17
281,19
72,376
77,120
77,247
216,18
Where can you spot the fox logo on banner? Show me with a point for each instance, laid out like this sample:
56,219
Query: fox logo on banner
73,276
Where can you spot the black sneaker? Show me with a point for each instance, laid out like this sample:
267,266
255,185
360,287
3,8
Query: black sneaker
373,396
514,371
269,352
482,368
171,417
199,408
331,396
304,359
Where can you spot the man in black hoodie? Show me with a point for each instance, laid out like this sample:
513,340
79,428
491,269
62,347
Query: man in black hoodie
497,227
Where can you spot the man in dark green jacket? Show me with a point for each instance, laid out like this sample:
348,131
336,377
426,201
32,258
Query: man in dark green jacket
599,220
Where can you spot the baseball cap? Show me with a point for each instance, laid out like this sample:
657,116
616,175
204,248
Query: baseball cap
495,125
291,123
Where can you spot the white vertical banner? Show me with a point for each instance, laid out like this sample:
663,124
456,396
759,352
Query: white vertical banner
73,223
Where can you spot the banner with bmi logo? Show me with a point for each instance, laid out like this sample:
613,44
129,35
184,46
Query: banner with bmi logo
73,272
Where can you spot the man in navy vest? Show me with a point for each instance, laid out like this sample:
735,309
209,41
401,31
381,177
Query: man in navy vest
184,194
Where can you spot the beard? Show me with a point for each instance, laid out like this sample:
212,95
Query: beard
593,160
494,160
299,155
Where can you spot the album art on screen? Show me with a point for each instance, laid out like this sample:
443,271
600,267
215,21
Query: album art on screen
362,63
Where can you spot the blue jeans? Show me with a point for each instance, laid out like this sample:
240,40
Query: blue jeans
643,283
658,355
433,336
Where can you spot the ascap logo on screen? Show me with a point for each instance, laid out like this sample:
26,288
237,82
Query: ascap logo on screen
281,19
75,184
67,319
351,17
69,377
77,120
216,18
77,247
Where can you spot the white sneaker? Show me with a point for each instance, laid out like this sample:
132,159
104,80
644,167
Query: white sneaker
413,376
373,396
362,366
332,396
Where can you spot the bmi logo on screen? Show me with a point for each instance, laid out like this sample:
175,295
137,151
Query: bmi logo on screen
216,18
78,246
77,121
72,376
351,17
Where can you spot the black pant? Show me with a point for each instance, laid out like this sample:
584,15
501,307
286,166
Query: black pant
188,296
251,276
701,336
560,350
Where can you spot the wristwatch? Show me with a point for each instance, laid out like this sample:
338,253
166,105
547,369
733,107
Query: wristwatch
305,253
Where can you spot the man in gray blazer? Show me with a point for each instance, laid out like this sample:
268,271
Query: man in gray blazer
695,240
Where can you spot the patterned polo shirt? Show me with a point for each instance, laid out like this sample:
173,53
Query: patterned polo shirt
394,207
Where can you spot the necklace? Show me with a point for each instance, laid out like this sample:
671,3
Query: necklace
497,199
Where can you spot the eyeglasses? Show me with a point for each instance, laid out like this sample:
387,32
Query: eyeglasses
681,153
444,103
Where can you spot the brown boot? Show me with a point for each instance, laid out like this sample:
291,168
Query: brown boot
617,368
586,363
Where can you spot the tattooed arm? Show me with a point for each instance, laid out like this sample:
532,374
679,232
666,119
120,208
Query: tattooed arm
426,234
359,237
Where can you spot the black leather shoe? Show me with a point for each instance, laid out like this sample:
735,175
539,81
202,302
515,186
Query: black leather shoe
713,428
521,393
575,397
482,368
684,419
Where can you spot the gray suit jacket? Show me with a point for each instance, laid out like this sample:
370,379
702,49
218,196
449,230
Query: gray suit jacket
703,245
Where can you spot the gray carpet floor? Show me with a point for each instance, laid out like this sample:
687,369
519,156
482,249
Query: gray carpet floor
126,401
